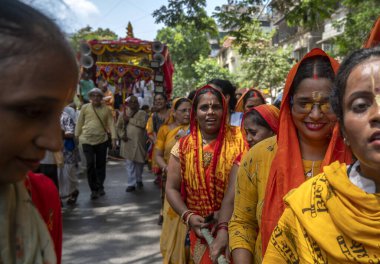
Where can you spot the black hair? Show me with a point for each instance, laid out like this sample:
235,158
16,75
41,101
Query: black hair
227,89
181,101
345,69
250,94
24,30
191,95
318,66
162,94
256,118
145,107
207,90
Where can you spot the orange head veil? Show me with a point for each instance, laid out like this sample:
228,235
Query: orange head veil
240,104
270,113
374,37
287,168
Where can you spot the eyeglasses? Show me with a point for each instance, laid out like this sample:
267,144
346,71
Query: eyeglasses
307,107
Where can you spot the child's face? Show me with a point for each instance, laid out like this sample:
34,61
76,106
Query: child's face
32,95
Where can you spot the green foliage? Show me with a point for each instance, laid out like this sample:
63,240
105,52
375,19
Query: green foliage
358,24
186,12
207,69
263,66
87,33
308,14
204,70
186,46
237,16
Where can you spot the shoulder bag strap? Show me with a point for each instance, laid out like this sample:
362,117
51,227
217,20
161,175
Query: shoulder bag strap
99,119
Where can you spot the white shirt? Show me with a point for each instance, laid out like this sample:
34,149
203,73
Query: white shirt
236,118
358,180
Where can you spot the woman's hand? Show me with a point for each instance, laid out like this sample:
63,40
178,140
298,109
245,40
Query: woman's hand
219,245
196,222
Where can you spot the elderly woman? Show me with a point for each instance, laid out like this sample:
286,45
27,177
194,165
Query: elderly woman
335,217
36,82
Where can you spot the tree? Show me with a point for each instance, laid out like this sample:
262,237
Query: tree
87,33
186,46
358,24
185,12
305,13
207,69
204,70
263,66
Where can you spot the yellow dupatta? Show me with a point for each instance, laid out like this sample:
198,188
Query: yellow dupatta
168,136
328,220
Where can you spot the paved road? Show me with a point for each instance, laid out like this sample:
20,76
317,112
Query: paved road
119,227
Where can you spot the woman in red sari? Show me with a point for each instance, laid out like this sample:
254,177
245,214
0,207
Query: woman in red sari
199,167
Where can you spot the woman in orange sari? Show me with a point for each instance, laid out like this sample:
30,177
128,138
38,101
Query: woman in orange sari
172,242
199,167
335,217
308,139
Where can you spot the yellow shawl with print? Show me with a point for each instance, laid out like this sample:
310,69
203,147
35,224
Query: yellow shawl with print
327,220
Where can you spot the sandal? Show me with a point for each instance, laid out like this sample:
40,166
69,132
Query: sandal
73,197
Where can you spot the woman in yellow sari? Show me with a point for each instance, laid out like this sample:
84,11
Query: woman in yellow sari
172,242
335,217
199,167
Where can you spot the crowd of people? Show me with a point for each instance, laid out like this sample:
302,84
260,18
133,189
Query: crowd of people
240,179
